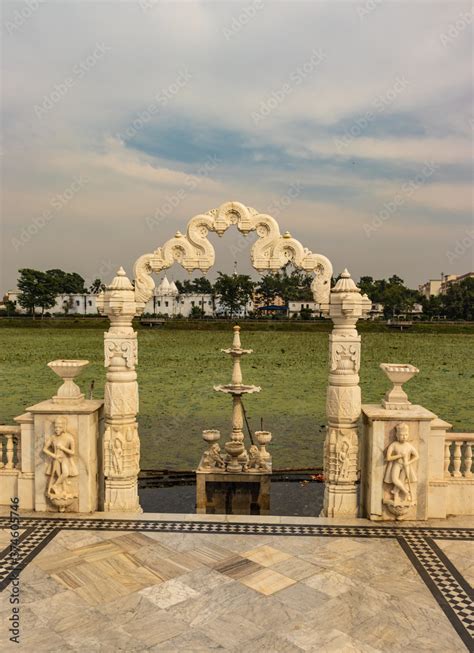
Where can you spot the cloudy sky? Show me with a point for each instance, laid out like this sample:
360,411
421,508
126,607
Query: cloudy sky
350,122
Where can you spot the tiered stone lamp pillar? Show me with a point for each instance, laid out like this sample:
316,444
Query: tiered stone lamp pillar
235,447
121,446
343,401
238,481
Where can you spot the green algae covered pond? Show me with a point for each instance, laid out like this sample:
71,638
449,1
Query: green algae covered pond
178,368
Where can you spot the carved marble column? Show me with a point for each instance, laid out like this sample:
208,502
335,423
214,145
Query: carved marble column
121,444
343,401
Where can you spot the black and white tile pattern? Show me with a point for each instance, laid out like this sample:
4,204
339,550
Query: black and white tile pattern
452,592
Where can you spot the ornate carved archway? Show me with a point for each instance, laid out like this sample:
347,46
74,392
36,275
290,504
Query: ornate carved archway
194,251
122,301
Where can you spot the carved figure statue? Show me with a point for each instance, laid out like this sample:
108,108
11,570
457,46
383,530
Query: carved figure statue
343,459
117,456
60,448
254,457
212,458
399,470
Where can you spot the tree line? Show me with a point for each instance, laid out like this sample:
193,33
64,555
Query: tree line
457,303
39,289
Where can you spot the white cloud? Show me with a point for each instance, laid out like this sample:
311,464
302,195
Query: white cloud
229,79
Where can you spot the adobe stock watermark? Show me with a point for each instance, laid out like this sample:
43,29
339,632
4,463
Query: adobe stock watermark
57,202
380,103
279,95
62,88
160,101
457,27
190,184
22,15
247,14
461,247
368,8
273,209
292,192
146,5
405,192
14,555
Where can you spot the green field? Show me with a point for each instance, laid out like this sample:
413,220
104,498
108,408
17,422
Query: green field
178,368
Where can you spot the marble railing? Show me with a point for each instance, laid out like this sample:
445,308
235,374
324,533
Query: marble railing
10,448
458,455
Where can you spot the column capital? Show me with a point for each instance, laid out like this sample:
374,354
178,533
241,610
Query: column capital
346,302
117,301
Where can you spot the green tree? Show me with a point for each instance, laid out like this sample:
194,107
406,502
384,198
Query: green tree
196,312
185,287
268,288
96,287
295,284
202,286
392,293
65,283
199,286
458,302
10,307
233,291
366,285
36,290
306,313
432,306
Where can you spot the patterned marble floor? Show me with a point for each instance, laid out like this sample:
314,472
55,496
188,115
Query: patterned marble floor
149,585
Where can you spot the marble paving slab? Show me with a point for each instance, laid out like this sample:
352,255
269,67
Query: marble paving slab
170,585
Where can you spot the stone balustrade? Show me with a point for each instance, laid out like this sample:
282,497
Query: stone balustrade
458,455
10,448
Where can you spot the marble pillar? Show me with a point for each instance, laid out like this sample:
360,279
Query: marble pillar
121,443
343,400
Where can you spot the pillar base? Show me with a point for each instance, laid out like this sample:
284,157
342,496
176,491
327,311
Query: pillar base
121,495
340,501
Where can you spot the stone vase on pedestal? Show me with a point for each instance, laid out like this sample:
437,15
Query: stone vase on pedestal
67,433
395,454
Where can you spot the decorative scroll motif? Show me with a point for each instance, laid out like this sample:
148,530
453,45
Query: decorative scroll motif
345,358
124,347
194,251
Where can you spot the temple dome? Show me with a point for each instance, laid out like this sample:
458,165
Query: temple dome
165,288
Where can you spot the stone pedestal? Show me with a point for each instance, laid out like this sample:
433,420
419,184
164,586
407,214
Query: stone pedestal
82,421
380,500
234,494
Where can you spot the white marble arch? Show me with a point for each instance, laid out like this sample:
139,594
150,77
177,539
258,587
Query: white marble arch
193,251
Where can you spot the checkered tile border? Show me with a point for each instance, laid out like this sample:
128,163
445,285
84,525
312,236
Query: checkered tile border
449,588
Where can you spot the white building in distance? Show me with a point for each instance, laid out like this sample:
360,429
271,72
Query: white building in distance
166,300
436,287
66,304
